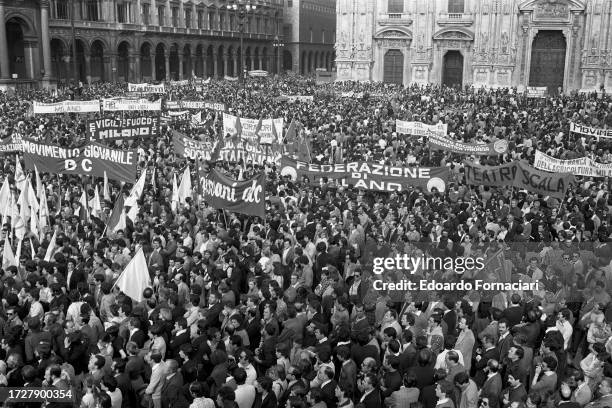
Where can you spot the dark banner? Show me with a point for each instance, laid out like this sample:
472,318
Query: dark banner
520,175
369,176
244,197
443,143
91,160
190,148
11,144
120,129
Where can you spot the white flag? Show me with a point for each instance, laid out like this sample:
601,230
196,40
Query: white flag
8,257
175,194
43,214
51,247
39,186
20,176
106,191
133,212
32,249
18,252
137,190
95,204
135,277
184,189
5,197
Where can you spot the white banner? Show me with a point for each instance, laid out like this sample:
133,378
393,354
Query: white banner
250,125
299,98
66,107
583,166
178,113
183,82
120,104
146,88
590,131
229,78
419,128
351,94
195,105
536,91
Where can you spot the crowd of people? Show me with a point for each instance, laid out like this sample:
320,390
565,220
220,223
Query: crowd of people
249,312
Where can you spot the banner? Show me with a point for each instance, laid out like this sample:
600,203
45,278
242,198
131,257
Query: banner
126,128
250,152
536,91
91,160
490,149
520,175
244,197
298,98
66,107
190,148
146,88
11,144
229,78
249,126
351,94
258,73
195,105
183,82
120,104
420,129
369,176
583,166
590,131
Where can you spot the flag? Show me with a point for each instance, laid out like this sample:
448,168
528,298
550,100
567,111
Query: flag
95,204
51,247
175,194
196,120
39,186
184,189
275,139
153,181
137,190
32,201
18,252
18,219
133,212
303,148
8,257
84,210
43,214
238,128
290,134
34,225
257,130
116,221
22,201
32,249
105,190
5,197
20,176
135,277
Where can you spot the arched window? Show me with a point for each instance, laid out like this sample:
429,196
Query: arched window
456,6
395,6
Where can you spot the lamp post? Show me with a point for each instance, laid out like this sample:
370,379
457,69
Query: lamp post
242,7
277,46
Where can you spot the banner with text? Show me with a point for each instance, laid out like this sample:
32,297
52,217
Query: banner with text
146,88
520,175
190,148
195,105
590,131
536,91
420,129
11,144
91,160
368,176
119,129
249,127
489,149
244,197
583,166
120,104
66,107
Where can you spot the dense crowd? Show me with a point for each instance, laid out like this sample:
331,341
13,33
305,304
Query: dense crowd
280,312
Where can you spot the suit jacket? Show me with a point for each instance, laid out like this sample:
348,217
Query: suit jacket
156,383
492,389
465,344
329,394
173,395
253,329
372,400
402,398
481,376
139,337
135,365
407,358
348,376
469,396
504,345
514,314
127,391
176,342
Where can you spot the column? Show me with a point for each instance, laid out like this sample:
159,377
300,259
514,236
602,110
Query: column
88,69
252,58
46,43
138,13
167,55
260,62
4,59
134,61
168,16
203,62
215,65
271,64
225,57
181,19
153,74
113,61
235,58
28,47
180,58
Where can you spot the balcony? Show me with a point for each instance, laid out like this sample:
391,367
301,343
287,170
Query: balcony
391,19
455,19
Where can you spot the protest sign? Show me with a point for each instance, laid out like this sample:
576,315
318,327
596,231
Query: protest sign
11,144
244,197
420,129
91,160
521,175
443,143
66,107
121,104
590,131
368,176
195,105
536,91
583,166
119,129
191,148
146,88
249,128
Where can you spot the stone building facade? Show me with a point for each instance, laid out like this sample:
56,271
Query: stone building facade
133,40
559,44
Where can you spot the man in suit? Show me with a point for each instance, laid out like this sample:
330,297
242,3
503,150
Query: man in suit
136,335
392,378
212,313
253,328
492,387
347,378
124,384
489,353
469,391
514,313
153,391
370,394
73,276
328,386
505,340
172,394
53,379
465,342
180,337
155,259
